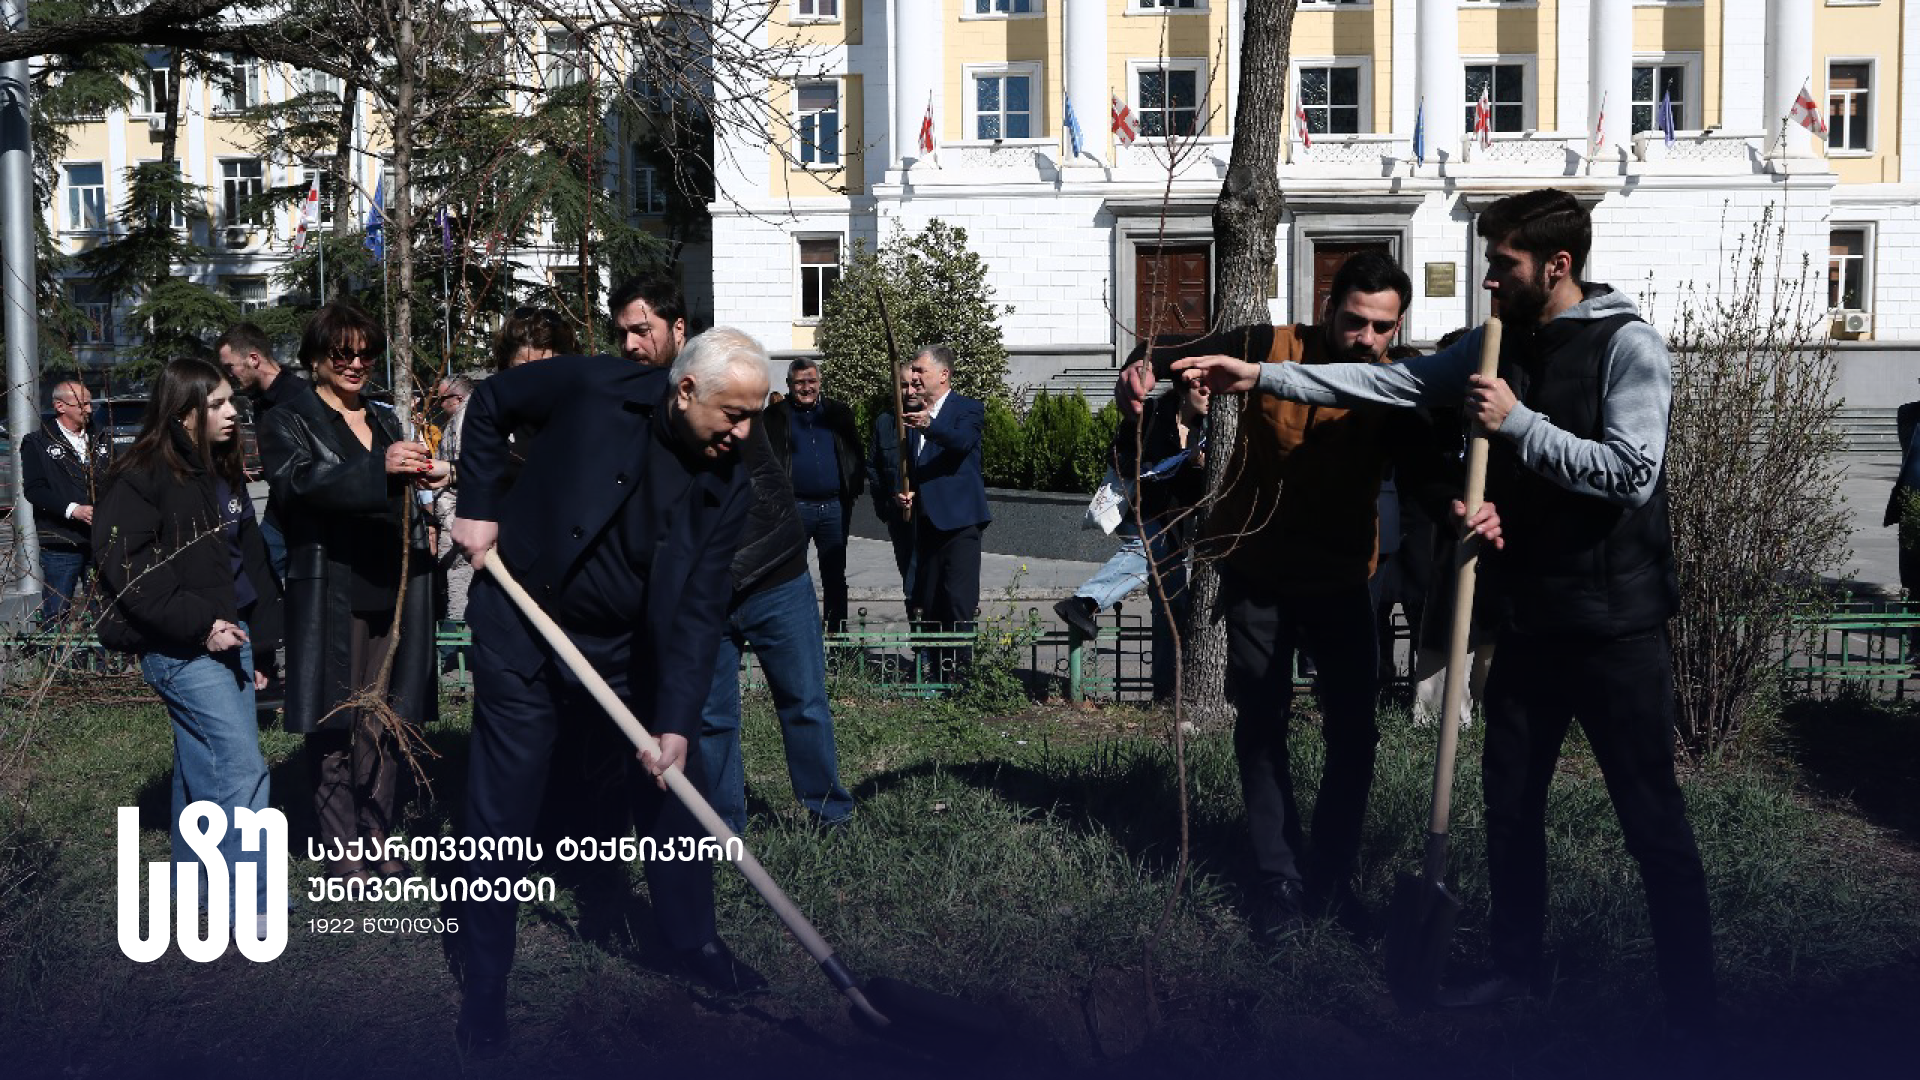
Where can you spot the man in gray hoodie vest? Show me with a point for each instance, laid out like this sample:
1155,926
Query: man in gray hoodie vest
1584,585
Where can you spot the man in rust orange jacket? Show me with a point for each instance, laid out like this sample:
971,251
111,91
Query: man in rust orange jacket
1295,536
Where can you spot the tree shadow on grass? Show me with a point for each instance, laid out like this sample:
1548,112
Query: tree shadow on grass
1864,753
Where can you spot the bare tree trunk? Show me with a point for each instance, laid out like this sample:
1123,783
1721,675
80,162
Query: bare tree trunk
401,230
169,139
343,152
1244,222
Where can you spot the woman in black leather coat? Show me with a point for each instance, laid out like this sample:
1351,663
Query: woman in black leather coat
343,473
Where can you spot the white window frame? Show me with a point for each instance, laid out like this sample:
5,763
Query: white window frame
1690,65
248,231
71,202
1198,65
228,282
143,102
251,77
568,61
315,81
800,16
98,314
800,316
839,125
1037,130
1867,230
969,11
1529,65
656,203
1831,115
179,212
1338,5
1362,64
1155,8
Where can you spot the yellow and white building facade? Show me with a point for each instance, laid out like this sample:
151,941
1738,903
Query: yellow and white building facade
1085,246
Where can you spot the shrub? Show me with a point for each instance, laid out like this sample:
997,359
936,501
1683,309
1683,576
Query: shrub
936,292
1757,515
1003,448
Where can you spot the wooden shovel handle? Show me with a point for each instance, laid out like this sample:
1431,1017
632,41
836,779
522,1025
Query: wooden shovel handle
677,782
1468,558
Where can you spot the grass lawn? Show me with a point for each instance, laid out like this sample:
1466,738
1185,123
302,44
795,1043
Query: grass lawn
1020,861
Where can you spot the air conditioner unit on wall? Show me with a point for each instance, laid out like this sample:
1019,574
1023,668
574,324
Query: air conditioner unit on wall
157,123
1857,322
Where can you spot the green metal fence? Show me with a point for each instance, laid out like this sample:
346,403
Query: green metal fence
1860,646
1864,646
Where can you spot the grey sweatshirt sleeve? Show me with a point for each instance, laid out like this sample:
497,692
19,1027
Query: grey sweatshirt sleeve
1623,464
1439,379
1621,467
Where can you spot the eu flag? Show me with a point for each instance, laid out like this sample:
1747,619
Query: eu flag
376,222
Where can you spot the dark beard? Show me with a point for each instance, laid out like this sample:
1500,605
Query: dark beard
1525,304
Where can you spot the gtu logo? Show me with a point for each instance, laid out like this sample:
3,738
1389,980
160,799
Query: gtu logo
204,825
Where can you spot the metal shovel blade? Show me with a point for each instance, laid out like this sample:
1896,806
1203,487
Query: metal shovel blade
1419,936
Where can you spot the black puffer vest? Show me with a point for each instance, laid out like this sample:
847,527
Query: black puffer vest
1573,564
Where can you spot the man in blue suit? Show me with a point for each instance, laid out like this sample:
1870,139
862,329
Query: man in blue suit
949,501
622,525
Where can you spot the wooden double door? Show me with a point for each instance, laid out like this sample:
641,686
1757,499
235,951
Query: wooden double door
1173,283
1173,288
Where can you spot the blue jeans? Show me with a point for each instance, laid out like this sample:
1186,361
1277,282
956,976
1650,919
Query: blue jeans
1124,572
1127,570
826,525
216,743
782,627
62,569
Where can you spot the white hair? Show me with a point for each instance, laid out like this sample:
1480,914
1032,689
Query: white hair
713,358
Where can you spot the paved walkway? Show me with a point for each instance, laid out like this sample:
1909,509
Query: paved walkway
1024,583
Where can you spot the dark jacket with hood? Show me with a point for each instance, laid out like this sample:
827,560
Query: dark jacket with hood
338,509
167,567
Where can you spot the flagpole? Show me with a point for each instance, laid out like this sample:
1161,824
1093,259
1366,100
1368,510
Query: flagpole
323,268
446,296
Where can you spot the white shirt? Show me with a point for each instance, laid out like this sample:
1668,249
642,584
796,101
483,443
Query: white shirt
933,413
80,451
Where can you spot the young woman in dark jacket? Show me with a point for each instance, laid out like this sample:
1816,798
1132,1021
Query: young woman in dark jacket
342,471
190,590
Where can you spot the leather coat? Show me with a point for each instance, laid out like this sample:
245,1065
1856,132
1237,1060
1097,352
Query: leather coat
326,499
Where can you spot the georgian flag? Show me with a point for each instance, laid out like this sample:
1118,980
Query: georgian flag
926,128
1300,128
309,214
1806,113
1123,123
1597,142
1483,119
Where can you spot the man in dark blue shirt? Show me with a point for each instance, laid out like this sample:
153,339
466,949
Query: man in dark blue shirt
818,442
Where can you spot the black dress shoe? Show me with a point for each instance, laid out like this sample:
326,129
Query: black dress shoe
1486,989
1279,911
714,968
1079,614
482,1030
